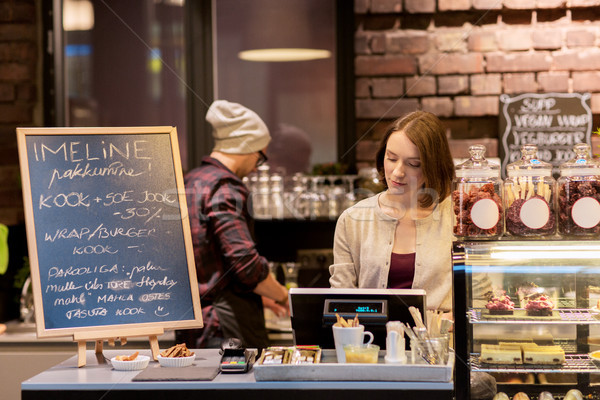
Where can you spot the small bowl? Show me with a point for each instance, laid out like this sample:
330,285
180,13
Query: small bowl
595,357
140,362
364,354
176,362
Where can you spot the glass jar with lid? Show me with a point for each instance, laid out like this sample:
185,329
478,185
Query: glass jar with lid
529,191
579,195
369,182
477,197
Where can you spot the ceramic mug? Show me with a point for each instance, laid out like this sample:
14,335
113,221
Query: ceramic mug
343,336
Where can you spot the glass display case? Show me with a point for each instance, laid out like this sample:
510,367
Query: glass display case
527,313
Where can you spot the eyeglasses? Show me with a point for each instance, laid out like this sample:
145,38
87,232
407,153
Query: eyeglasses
262,158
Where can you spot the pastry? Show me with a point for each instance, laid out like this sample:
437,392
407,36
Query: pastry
502,305
540,306
549,355
546,396
521,353
494,354
573,394
528,291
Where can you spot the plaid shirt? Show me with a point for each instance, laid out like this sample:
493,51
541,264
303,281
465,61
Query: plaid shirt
224,250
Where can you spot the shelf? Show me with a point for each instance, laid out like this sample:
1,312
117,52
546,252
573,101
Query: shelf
574,363
567,316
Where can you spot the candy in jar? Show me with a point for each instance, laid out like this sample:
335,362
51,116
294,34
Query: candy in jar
529,192
477,197
579,195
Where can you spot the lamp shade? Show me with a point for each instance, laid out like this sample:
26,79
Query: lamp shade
78,15
281,30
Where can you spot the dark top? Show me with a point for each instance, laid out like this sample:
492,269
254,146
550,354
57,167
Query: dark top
224,249
225,253
402,271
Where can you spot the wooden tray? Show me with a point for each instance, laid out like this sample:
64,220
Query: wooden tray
329,370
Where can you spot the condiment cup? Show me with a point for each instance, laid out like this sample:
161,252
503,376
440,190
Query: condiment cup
140,362
349,335
176,361
362,353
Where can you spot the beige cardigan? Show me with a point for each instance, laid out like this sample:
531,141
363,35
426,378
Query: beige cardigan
362,249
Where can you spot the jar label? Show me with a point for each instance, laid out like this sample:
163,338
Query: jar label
535,213
586,212
485,214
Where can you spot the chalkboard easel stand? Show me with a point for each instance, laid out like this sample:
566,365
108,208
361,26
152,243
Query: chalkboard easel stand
83,337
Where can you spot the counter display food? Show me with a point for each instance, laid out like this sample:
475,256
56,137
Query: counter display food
544,339
579,195
529,194
477,198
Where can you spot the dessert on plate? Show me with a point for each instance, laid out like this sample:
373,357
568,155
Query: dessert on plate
527,291
539,306
521,353
495,354
500,305
549,355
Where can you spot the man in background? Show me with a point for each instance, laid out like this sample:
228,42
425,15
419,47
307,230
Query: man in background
232,276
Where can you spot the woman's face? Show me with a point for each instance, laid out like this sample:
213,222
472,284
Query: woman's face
402,165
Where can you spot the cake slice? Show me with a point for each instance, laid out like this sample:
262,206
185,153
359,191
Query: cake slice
552,355
540,307
500,305
494,354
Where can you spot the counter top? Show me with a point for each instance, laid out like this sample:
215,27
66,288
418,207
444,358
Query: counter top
98,376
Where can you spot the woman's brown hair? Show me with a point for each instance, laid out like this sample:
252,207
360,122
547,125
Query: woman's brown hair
428,133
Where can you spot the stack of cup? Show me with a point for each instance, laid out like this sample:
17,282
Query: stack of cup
394,343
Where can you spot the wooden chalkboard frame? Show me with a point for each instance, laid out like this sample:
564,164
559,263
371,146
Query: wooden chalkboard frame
114,330
543,105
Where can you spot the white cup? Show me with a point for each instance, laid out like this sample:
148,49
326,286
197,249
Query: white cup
343,336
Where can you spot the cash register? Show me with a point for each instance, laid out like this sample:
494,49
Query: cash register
313,311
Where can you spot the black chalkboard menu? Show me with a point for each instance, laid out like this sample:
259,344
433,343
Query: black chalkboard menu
107,228
555,122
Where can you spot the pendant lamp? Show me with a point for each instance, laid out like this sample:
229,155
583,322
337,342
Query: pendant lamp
282,31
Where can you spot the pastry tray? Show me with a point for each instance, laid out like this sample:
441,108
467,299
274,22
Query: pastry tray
521,315
329,370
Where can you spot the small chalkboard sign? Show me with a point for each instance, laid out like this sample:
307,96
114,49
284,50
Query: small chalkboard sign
555,122
108,232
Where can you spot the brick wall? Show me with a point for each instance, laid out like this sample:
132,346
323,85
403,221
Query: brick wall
455,57
18,96
451,57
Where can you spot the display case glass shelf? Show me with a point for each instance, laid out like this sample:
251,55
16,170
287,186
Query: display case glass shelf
560,316
522,294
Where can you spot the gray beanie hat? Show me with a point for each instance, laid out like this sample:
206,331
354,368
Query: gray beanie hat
236,129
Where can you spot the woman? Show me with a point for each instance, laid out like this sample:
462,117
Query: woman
402,237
